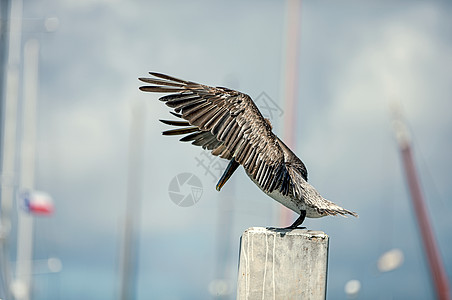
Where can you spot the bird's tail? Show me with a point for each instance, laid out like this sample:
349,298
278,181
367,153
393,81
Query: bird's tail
333,209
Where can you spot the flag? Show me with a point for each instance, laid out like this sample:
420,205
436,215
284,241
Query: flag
37,203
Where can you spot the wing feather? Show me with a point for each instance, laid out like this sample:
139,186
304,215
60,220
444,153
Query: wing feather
226,122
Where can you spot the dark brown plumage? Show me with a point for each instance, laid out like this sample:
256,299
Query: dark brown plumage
229,124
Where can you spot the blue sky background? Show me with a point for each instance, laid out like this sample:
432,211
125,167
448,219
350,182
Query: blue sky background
355,58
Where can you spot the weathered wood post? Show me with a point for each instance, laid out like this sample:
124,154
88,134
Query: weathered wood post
278,263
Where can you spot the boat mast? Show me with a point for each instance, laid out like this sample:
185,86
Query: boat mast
292,53
436,265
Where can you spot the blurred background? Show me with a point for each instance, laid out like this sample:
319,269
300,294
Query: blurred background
75,126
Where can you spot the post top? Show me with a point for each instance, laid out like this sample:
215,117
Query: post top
286,231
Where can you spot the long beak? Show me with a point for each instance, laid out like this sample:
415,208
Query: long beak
233,165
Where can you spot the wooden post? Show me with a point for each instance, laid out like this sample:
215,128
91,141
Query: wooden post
280,263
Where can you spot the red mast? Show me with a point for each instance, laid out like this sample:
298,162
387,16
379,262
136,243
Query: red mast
436,265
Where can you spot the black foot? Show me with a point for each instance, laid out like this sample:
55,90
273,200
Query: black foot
298,221
294,227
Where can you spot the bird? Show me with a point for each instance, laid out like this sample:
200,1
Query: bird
229,124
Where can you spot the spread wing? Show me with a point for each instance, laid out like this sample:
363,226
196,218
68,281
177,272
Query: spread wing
226,122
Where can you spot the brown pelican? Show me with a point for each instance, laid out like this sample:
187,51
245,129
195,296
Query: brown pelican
229,124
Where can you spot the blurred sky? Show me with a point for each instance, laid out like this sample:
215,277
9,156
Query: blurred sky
355,58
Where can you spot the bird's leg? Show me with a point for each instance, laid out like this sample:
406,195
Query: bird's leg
233,165
298,221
